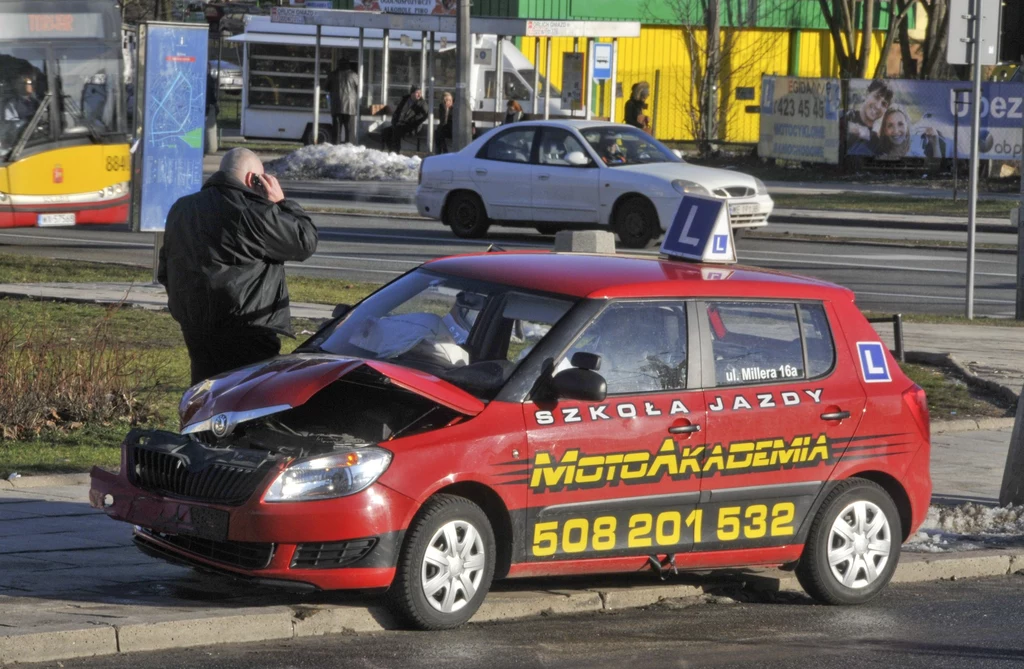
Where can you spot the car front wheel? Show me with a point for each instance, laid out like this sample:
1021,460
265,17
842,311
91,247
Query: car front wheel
446,565
466,216
854,545
636,223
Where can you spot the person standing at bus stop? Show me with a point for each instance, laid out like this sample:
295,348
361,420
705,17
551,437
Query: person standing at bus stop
344,85
222,263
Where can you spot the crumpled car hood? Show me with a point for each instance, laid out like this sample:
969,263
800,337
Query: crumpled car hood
291,380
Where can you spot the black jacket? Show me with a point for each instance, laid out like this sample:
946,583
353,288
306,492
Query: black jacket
223,257
410,113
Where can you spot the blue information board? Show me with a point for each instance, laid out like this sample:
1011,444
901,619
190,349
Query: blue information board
171,142
602,65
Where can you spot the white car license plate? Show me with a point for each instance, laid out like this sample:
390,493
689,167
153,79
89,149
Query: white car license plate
55,220
743,209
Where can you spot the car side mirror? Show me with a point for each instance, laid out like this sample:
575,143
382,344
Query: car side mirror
584,360
580,384
577,159
341,310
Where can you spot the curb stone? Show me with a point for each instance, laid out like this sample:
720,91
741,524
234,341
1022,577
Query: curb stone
303,621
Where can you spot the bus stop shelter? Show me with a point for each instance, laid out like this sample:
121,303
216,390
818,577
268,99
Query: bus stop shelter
430,26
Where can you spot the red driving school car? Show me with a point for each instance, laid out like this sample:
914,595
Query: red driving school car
507,415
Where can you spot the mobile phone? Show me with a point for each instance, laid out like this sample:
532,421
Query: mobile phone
257,183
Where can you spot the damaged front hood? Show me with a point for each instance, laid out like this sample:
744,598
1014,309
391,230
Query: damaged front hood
289,381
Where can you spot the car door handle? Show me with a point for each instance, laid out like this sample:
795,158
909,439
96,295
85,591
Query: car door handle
482,172
683,429
543,177
835,415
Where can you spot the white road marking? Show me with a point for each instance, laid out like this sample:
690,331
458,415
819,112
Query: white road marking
944,298
829,263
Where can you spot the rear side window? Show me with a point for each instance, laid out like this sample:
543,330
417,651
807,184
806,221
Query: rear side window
512,146
765,342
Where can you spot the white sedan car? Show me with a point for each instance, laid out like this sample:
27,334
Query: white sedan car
555,175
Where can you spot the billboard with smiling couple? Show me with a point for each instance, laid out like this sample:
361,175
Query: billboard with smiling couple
891,119
908,118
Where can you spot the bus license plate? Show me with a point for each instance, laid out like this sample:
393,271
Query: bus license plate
744,209
55,220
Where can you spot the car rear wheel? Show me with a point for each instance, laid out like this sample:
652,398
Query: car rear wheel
854,545
466,216
636,223
446,565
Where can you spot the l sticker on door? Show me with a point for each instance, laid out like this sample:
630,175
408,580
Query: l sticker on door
873,362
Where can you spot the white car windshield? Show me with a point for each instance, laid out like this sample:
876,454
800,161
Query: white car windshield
470,333
619,145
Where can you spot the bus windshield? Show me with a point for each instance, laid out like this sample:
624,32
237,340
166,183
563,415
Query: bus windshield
60,74
87,83
23,87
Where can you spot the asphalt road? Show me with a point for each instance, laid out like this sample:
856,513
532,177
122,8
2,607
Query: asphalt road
972,623
376,249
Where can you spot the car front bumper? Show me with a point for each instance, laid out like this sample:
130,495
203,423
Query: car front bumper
345,543
747,212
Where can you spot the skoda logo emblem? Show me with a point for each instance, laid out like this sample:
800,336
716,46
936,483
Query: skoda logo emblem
220,425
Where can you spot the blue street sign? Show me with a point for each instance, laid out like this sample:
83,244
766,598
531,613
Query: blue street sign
874,364
700,232
174,122
601,67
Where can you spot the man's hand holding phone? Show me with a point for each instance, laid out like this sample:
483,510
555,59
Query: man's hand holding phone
268,186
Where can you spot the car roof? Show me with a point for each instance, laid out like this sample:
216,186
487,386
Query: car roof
579,124
620,275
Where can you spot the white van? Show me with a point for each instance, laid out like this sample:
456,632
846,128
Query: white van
277,91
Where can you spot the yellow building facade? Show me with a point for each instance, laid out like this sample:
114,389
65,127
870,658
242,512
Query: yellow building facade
661,55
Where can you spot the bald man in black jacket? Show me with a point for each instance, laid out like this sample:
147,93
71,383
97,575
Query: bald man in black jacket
222,262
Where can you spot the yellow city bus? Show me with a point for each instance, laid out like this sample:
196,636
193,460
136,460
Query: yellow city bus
63,141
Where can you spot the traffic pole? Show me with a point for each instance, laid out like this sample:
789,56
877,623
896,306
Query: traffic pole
463,100
972,201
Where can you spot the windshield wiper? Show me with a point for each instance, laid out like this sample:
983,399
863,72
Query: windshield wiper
30,128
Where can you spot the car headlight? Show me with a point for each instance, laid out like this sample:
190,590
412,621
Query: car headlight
760,187
685,187
326,477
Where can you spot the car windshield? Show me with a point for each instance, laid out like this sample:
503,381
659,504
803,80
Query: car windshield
470,333
619,145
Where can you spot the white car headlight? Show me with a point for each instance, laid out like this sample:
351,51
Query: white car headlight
684,187
760,187
329,476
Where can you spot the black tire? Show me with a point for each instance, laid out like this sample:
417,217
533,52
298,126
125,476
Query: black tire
325,136
636,223
547,228
407,598
739,233
815,573
466,216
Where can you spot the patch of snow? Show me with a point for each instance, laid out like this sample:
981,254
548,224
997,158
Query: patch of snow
344,162
968,526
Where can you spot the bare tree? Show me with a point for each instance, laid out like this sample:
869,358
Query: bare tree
710,50
933,49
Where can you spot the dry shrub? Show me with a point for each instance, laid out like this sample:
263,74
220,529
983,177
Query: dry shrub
55,382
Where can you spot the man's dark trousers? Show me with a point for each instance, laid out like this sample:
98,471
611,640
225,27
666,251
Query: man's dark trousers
212,353
344,128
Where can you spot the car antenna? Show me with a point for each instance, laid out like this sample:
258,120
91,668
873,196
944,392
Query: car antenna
494,248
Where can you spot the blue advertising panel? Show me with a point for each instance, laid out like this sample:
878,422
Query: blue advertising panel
892,119
171,141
